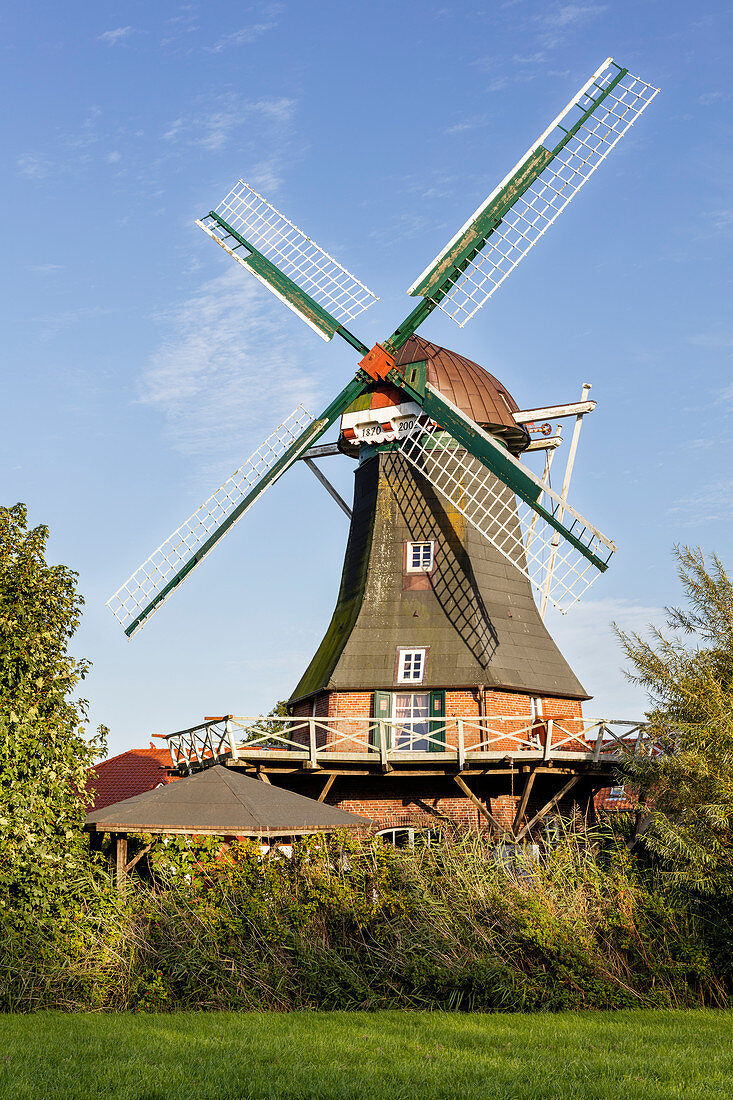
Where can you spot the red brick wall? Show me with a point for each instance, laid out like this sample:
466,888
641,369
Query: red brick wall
391,813
509,713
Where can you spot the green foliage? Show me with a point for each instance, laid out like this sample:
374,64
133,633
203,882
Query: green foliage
43,752
688,673
352,924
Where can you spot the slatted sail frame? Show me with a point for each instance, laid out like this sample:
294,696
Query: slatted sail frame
285,260
514,217
154,581
561,559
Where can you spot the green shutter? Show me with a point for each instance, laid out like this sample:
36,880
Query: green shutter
382,708
437,719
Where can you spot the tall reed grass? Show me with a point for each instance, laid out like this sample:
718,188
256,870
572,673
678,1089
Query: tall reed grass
355,924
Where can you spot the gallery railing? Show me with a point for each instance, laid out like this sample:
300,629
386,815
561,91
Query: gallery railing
325,742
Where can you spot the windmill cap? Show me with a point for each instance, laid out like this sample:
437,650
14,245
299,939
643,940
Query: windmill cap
476,392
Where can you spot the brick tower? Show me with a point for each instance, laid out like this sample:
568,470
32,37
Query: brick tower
431,621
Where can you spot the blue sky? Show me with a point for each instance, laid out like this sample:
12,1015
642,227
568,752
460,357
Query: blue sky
142,366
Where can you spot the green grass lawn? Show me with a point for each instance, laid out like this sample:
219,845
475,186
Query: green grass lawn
202,1055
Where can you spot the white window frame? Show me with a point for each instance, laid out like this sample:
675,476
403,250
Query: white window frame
407,656
414,732
421,568
535,706
389,836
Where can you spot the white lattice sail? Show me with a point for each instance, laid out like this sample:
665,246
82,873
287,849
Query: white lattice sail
553,565
152,582
291,251
572,148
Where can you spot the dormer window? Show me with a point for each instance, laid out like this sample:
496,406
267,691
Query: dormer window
420,557
411,666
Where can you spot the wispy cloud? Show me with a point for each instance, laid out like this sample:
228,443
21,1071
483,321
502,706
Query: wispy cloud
48,326
572,15
472,122
712,503
218,121
46,269
230,368
709,98
34,166
719,220
113,37
558,21
711,340
243,37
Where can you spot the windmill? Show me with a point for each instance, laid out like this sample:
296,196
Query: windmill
473,465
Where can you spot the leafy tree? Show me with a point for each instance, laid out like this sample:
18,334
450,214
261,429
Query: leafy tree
44,754
688,673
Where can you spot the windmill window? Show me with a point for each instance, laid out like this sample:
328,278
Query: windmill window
405,837
411,665
420,557
411,721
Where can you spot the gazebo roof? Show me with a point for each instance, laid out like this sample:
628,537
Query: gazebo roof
222,802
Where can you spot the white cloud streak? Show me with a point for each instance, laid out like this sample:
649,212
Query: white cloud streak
216,123
230,368
243,37
119,34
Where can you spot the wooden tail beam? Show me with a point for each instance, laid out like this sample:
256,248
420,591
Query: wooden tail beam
549,805
479,805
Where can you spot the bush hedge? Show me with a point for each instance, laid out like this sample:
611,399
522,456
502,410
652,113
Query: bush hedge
345,923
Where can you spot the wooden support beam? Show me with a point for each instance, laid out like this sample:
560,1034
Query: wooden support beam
263,777
522,807
479,804
326,787
143,851
120,861
549,805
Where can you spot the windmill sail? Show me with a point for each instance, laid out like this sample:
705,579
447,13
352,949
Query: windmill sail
154,581
475,263
309,281
500,498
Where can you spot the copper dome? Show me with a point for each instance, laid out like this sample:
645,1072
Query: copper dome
476,392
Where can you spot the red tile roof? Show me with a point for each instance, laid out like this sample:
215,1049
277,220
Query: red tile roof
128,774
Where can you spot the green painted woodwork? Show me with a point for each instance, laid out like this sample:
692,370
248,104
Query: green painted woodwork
587,113
449,266
475,236
289,290
382,704
313,432
409,326
437,719
362,403
416,375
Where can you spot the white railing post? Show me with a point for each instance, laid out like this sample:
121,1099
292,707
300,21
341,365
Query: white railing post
548,738
599,741
461,745
312,742
229,732
383,745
